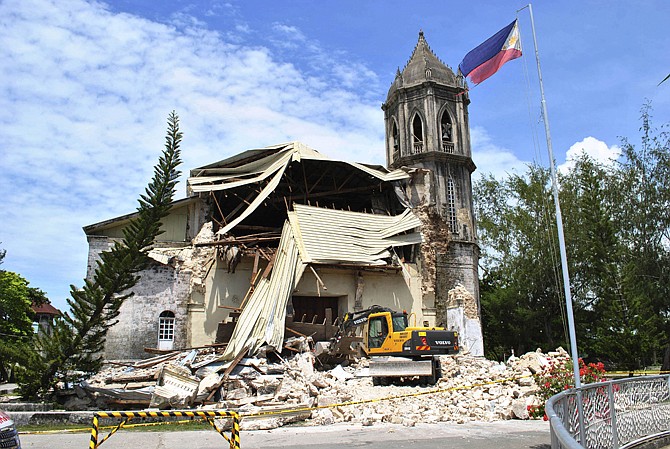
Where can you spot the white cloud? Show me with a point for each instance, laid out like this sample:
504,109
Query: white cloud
590,146
84,97
492,158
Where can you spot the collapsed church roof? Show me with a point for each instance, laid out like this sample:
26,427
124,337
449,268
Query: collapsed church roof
253,191
314,235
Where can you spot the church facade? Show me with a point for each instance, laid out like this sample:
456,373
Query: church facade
284,234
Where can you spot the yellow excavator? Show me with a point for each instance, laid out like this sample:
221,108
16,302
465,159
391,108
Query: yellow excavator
396,349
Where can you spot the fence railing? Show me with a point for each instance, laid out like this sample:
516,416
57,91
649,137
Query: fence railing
610,415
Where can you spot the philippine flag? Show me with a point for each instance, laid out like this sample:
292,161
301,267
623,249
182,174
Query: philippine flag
487,58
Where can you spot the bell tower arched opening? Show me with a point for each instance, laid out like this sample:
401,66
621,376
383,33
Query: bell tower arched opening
395,139
417,134
446,132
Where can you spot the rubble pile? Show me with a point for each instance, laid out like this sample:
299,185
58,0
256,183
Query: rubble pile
297,386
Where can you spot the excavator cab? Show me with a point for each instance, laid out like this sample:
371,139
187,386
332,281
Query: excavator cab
381,328
377,331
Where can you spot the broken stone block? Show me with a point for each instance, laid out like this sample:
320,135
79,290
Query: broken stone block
325,400
396,419
533,362
174,389
520,409
237,393
324,417
265,384
210,382
526,381
407,422
319,381
305,364
321,347
367,421
286,388
340,374
260,424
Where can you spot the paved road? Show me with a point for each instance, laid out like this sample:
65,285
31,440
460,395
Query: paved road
494,435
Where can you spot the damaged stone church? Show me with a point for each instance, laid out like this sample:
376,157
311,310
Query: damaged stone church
274,237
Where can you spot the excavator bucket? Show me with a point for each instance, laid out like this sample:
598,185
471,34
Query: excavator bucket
346,346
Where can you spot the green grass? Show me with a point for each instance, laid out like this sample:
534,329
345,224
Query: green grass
107,425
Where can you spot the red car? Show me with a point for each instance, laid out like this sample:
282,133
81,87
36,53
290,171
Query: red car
9,437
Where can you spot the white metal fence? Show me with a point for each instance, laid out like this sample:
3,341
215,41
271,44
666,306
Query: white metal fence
610,415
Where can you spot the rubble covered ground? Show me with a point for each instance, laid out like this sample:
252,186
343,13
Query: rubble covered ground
272,390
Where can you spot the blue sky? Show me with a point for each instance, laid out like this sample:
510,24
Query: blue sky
87,87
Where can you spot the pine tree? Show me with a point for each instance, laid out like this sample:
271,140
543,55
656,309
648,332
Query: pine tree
78,337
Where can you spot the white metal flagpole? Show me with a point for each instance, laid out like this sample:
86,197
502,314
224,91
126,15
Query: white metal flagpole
559,217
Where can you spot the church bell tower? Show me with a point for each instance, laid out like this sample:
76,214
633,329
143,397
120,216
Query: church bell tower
426,121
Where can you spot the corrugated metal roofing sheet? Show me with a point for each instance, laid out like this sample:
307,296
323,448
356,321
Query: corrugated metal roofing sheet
262,320
332,236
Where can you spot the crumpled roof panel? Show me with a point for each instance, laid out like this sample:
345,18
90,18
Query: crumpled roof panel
336,236
262,320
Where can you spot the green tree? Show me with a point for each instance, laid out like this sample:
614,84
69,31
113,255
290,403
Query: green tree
593,247
78,336
16,320
617,229
520,297
642,186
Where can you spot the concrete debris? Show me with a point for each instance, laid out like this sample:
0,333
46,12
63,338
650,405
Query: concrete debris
471,389
176,388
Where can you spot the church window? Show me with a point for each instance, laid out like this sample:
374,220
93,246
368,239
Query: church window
451,206
395,139
446,132
166,330
417,134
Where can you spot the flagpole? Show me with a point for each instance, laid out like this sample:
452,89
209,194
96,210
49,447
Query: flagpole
559,217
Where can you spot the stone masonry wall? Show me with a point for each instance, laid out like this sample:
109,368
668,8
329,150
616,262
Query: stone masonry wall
456,293
160,288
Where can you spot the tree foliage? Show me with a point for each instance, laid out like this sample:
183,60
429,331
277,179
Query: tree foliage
516,227
617,231
16,320
78,336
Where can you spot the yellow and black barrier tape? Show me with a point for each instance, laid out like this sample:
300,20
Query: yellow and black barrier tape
208,415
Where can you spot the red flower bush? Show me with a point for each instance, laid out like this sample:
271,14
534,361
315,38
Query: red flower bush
559,376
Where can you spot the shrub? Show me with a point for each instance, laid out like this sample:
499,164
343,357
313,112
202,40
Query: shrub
559,376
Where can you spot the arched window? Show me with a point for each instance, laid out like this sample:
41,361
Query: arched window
166,330
395,139
417,134
451,207
446,133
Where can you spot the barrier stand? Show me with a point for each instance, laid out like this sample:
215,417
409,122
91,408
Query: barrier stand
207,415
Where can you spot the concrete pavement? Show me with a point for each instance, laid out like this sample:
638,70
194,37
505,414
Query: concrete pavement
475,435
